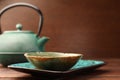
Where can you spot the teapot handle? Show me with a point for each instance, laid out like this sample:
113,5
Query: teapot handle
26,5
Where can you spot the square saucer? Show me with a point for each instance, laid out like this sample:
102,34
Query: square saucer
80,66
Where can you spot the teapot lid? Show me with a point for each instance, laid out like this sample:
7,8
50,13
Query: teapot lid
19,30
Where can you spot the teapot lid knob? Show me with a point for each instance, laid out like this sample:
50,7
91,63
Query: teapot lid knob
19,27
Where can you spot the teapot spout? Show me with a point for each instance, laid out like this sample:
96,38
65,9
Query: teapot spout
41,43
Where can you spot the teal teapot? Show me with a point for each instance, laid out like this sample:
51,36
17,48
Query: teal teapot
13,44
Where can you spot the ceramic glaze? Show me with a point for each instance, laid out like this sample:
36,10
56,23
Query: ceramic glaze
79,65
21,41
52,54
53,60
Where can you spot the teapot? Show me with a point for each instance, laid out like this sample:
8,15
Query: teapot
13,44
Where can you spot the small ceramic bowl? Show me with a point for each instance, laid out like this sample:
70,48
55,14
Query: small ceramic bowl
53,60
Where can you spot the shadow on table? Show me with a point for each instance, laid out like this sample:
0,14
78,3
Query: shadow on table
76,76
86,75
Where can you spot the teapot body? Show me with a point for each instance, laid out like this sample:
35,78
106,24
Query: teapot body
13,44
20,42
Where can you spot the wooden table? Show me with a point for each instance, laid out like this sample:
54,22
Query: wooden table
111,71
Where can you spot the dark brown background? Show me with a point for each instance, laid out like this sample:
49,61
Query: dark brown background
90,27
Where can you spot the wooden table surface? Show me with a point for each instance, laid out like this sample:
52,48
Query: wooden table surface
110,71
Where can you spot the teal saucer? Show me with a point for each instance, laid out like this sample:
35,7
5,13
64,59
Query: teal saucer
80,66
